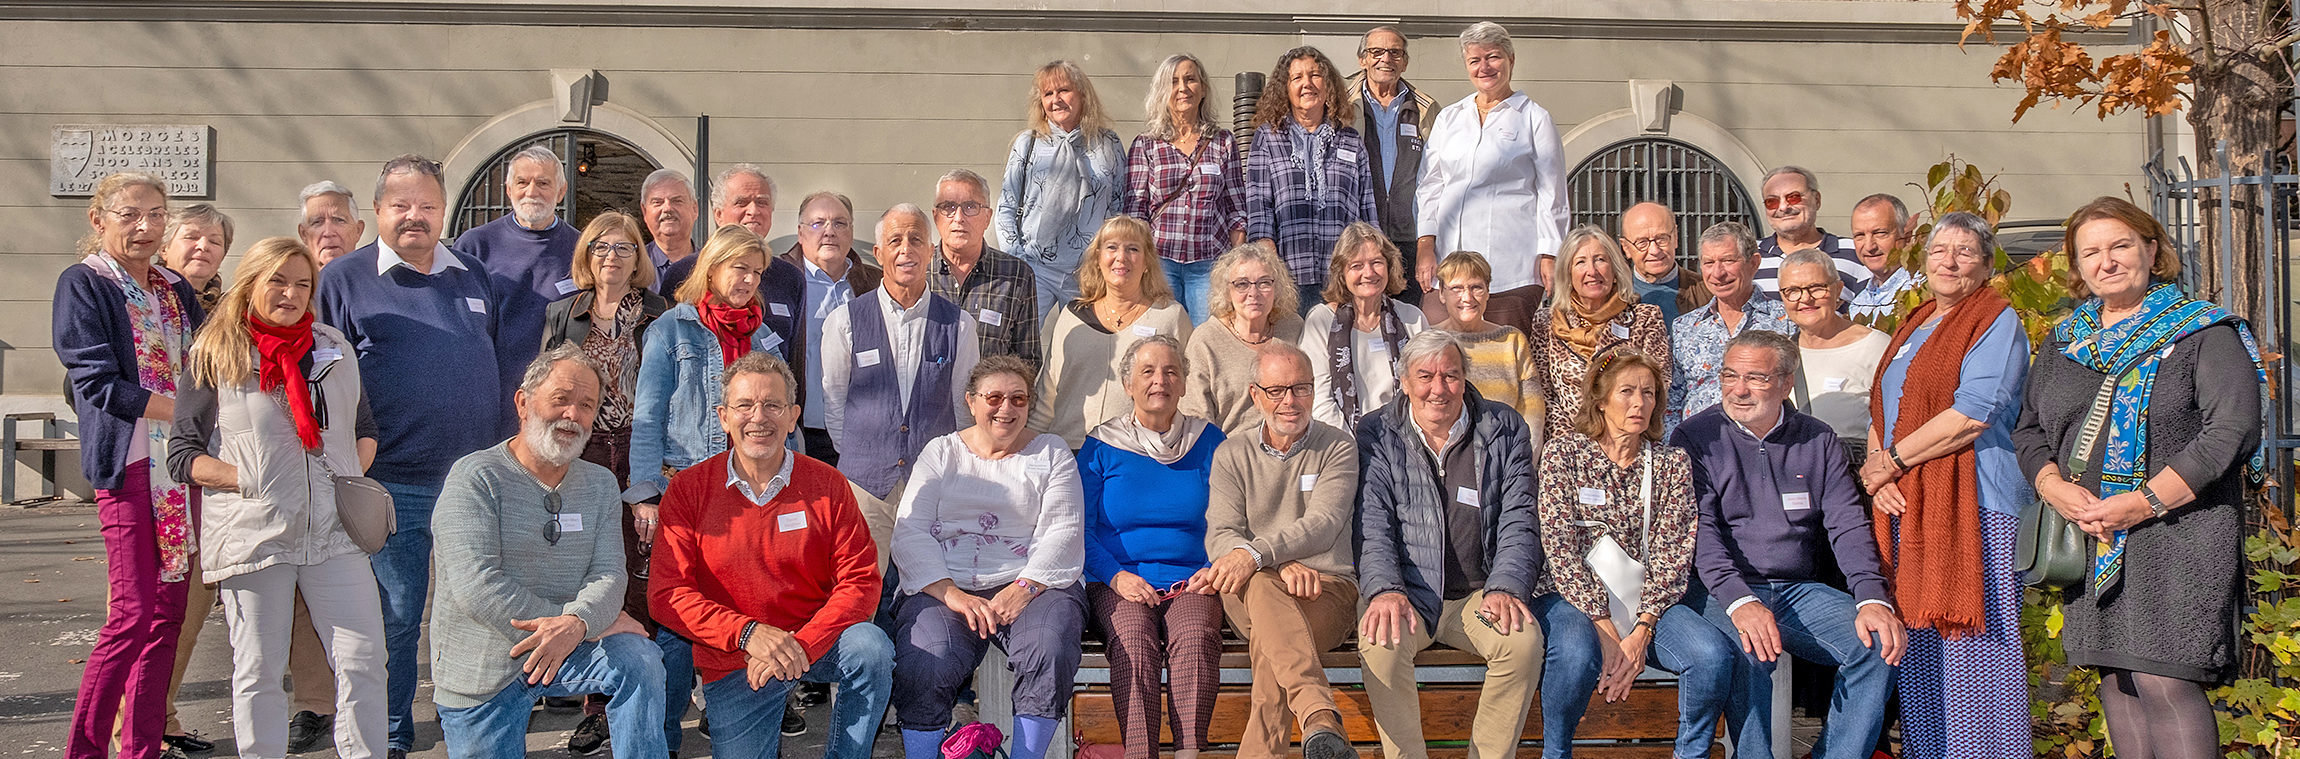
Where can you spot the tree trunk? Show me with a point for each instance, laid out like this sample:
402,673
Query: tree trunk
2240,99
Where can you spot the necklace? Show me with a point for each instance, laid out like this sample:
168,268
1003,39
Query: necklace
1116,317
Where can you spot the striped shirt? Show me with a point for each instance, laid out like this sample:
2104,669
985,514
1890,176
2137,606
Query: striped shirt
1849,267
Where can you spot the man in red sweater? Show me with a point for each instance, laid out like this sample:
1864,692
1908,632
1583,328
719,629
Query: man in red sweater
764,561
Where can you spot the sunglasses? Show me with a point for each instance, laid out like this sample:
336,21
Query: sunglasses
551,529
1790,199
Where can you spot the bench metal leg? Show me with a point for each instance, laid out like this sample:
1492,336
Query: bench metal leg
994,703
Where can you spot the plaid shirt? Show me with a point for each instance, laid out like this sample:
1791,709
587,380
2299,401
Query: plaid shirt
1001,294
1279,206
1193,204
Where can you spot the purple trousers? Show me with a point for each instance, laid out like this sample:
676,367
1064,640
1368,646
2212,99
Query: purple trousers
136,649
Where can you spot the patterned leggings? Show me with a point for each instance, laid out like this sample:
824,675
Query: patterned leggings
1180,638
1968,698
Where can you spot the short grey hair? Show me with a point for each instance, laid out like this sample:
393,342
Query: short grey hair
1363,39
1900,209
1488,34
1813,257
1279,349
760,363
1126,362
1967,221
328,187
537,154
1744,241
203,214
966,177
660,177
540,369
719,183
1784,350
902,209
1430,342
410,163
1812,183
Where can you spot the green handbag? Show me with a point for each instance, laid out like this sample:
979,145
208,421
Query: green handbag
2049,551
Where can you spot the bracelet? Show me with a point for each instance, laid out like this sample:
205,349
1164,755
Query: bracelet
743,643
1894,452
1028,587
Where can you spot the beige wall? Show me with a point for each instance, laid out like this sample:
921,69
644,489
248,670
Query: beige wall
877,113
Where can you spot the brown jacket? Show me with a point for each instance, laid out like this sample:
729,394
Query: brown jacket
1394,193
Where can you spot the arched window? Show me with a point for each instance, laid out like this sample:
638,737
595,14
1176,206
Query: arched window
1687,179
603,174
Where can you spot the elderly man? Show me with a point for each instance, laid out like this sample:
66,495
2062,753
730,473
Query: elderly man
1449,550
744,195
330,224
1697,338
1793,207
528,252
1775,494
764,561
896,362
1397,118
667,207
434,365
998,289
1649,236
1278,521
835,275
531,579
1880,231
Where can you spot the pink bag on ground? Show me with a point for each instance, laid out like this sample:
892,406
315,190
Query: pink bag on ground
975,741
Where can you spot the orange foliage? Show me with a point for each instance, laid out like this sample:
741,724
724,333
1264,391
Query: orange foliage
2050,67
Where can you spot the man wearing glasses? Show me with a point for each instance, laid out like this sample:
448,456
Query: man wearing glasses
896,362
1397,118
997,289
1278,524
1793,207
1649,237
531,578
527,253
835,275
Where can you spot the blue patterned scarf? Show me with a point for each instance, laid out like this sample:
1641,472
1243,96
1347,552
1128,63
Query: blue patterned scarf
2130,351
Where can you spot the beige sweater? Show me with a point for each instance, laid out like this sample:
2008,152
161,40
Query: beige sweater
1079,387
1298,508
1222,367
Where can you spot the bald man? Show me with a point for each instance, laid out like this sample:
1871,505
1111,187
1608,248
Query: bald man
1649,237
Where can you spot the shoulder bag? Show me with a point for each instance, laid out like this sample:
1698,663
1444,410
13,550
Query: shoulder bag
1624,577
2049,551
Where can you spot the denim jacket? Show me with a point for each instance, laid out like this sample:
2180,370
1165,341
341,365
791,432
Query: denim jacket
674,419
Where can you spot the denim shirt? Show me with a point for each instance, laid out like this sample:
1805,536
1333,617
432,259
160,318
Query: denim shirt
674,419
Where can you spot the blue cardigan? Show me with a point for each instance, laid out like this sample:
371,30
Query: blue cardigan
90,331
1145,517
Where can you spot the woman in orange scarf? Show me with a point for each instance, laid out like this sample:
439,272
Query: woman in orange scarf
1591,308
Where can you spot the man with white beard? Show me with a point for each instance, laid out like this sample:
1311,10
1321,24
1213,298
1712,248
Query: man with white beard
530,569
526,254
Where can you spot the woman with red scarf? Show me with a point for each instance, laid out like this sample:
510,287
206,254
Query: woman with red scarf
270,412
674,417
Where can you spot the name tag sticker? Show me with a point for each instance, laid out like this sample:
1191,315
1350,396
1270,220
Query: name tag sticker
779,309
867,358
1796,501
1309,481
325,355
1620,330
768,340
1378,346
565,286
1593,496
1832,384
1144,330
1345,154
1410,129
570,522
992,318
1467,497
476,305
1210,169
1508,134
796,520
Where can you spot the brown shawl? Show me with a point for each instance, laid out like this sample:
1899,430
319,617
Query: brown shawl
1584,328
1936,570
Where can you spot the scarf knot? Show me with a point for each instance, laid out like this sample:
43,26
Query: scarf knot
279,368
733,325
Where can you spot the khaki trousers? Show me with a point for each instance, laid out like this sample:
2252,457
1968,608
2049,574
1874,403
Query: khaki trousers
199,599
1284,636
1512,670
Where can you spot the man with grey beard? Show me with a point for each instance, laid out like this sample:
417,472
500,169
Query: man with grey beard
526,254
530,566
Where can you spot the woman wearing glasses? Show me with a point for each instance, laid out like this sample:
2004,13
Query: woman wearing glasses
1500,359
988,546
1182,177
1145,477
1836,358
607,318
1591,309
1256,305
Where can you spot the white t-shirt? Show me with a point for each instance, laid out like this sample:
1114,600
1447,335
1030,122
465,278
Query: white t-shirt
1837,382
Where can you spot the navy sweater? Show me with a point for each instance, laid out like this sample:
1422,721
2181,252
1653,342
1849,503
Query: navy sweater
1745,487
432,358
527,270
90,332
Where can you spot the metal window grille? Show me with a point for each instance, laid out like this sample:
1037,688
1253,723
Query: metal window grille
1687,179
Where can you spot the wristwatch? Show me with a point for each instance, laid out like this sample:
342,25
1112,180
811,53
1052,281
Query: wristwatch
2155,506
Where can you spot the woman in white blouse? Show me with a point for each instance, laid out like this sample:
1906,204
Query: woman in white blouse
988,548
1493,181
1354,336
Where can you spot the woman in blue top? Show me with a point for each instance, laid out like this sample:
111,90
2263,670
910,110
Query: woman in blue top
1145,477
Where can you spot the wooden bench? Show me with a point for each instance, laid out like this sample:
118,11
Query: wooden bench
48,444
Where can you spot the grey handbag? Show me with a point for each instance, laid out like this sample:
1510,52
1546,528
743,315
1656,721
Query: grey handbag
364,508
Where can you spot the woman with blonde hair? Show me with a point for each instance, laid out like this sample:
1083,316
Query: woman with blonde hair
1256,304
1123,297
270,413
1064,175
1308,175
1354,337
1182,177
718,319
1592,308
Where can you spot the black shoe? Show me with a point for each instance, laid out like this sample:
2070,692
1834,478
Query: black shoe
705,728
1327,744
563,702
396,753
814,694
794,723
189,744
171,752
306,729
590,736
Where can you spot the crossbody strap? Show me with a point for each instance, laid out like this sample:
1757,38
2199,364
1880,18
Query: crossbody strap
2089,434
1645,500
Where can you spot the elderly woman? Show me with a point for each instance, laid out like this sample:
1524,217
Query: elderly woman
1500,358
607,318
1593,309
1123,298
1942,467
1257,306
1182,177
198,239
1353,338
1836,358
1064,176
989,544
122,327
2162,487
1614,498
1145,475
1307,172
1493,181
267,392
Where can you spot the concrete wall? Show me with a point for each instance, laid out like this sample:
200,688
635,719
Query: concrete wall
875,101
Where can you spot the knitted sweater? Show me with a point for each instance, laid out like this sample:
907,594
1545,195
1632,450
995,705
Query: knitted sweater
1222,368
1292,508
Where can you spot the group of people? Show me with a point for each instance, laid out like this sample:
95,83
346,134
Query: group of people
1195,389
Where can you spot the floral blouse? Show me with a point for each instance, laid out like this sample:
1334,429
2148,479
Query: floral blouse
1574,473
1562,370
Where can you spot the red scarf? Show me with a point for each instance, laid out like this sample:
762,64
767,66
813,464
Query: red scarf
281,350
733,325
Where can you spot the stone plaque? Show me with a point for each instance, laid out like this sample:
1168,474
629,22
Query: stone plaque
182,155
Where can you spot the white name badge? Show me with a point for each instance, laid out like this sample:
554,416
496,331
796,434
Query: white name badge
325,355
1144,330
1309,481
1210,169
796,520
779,309
1620,330
1593,496
1378,346
867,358
1410,129
1832,384
1345,154
476,305
571,522
1508,134
992,318
1467,497
1796,501
565,286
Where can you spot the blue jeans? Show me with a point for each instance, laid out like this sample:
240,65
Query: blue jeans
1191,286
403,573
627,667
749,722
1683,643
678,683
1816,623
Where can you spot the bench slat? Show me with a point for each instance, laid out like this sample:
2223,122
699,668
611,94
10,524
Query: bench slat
1649,712
49,444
